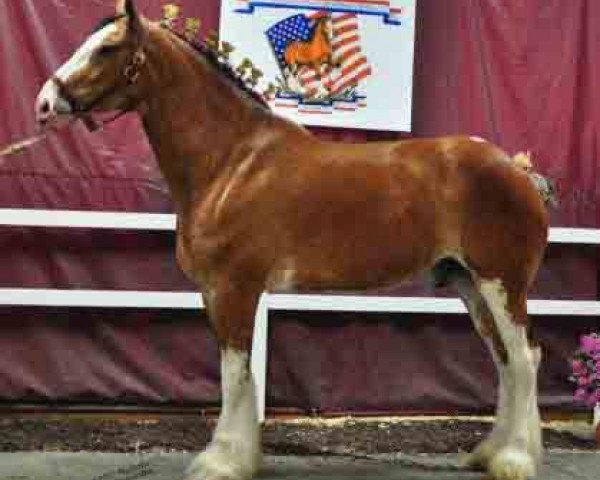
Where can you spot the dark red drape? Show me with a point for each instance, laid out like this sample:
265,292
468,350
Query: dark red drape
518,72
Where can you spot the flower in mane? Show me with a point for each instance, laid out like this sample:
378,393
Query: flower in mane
216,60
215,52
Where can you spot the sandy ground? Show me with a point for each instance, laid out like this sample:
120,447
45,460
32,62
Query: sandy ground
84,448
171,466
345,436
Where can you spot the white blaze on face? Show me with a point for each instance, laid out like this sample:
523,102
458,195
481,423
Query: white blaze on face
81,58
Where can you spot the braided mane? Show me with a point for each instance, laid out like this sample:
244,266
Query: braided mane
223,68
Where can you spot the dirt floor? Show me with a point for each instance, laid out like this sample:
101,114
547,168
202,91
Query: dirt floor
349,436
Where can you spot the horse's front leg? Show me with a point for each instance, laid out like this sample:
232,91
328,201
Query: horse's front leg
235,451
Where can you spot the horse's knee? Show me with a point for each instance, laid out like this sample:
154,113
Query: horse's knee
231,309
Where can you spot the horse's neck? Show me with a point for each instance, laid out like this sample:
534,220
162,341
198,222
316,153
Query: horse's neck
321,35
193,118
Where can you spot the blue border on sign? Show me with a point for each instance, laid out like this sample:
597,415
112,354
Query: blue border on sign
387,18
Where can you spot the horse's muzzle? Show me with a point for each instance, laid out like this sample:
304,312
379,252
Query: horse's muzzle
51,107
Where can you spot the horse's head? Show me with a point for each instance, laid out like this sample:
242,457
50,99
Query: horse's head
101,75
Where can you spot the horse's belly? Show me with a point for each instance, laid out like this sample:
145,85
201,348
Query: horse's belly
353,262
322,278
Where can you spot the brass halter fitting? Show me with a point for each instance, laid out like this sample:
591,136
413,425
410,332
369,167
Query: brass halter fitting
132,70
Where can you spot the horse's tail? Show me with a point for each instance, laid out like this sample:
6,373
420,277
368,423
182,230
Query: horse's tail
544,185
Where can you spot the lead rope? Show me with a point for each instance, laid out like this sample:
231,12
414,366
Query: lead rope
21,146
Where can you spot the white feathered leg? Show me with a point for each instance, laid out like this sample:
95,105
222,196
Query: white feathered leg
514,459
475,304
235,451
483,453
536,448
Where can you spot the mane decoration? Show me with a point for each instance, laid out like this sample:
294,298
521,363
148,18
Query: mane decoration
217,53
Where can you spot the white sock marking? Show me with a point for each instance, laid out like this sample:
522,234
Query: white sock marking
514,461
235,449
473,301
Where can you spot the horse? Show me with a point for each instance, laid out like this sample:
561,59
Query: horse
264,205
313,53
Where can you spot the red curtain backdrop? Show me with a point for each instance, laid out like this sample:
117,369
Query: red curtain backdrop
517,72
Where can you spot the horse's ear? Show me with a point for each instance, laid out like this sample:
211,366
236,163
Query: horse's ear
127,7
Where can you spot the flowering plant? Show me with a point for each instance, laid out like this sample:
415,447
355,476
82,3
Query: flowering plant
586,370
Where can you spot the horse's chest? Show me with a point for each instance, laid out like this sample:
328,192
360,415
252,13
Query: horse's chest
212,238
202,248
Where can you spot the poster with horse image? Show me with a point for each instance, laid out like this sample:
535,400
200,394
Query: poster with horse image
346,63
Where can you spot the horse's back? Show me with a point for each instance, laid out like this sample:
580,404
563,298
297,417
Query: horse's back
489,211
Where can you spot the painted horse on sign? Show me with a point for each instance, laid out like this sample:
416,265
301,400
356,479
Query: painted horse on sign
263,205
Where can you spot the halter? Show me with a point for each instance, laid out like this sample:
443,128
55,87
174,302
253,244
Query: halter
131,73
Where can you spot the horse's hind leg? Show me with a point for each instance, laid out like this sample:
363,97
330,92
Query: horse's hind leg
517,427
235,451
517,450
483,322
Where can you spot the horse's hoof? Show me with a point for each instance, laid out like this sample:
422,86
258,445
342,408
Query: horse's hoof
479,458
217,464
512,464
204,476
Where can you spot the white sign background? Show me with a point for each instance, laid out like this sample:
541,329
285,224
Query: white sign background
388,48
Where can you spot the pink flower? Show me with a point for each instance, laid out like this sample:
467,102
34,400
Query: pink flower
586,370
583,381
578,367
590,344
580,395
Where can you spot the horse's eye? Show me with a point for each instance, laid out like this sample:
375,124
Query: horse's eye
106,50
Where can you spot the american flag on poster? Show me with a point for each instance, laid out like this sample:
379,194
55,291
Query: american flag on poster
343,63
351,65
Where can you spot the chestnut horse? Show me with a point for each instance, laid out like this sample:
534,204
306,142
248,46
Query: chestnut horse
315,52
263,205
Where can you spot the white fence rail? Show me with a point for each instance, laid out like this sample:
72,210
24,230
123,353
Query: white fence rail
178,300
166,222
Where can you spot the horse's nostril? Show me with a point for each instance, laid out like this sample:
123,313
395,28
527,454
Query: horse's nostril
45,107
